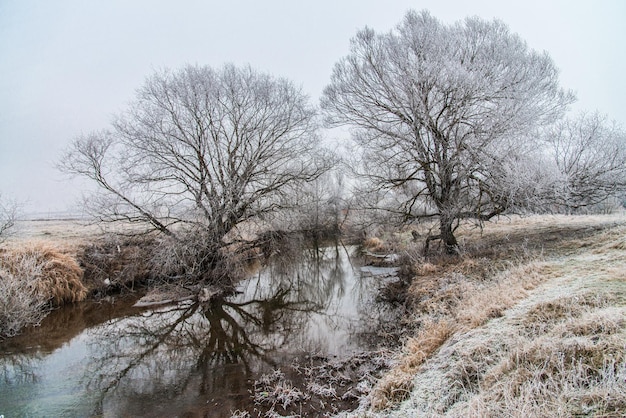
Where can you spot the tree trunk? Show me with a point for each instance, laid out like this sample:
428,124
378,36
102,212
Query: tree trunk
447,236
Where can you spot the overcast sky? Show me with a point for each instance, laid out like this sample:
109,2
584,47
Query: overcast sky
67,66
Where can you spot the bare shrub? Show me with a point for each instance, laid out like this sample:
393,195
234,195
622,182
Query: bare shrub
115,262
32,279
20,304
57,276
8,214
193,260
122,263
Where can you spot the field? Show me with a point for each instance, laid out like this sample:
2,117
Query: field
68,233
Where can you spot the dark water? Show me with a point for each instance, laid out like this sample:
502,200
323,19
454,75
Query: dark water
112,360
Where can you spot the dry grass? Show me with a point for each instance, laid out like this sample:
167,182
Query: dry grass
489,300
564,354
451,305
578,367
69,233
55,275
33,277
374,245
396,385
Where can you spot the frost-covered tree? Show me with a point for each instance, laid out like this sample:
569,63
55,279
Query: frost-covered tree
444,116
590,155
322,204
199,152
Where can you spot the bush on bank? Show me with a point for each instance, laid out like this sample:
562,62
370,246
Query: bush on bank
33,279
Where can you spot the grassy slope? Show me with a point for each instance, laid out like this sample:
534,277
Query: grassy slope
541,334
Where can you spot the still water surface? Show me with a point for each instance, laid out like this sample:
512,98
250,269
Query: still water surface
113,360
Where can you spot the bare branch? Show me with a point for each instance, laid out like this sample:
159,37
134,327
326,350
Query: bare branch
8,216
200,151
590,154
442,113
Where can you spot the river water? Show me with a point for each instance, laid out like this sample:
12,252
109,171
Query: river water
112,360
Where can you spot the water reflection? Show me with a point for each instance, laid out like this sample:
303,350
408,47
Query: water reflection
202,357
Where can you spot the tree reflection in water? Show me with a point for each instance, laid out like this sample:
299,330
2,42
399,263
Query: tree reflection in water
190,349
185,357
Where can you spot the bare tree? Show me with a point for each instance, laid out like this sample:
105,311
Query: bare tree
590,154
8,215
321,205
199,152
443,115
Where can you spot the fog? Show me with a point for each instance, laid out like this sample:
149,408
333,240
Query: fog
66,67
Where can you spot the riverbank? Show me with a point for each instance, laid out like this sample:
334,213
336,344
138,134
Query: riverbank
48,263
529,321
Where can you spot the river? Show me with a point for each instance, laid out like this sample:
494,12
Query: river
109,359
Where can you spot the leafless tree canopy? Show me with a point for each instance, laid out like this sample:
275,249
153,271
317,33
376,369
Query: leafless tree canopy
444,115
590,154
200,151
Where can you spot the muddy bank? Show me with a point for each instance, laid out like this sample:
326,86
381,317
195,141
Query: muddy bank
314,386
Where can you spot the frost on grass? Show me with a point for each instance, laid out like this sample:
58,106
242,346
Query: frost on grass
319,386
575,364
539,338
448,306
273,390
33,278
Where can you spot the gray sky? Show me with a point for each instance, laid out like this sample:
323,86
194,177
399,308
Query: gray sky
66,66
